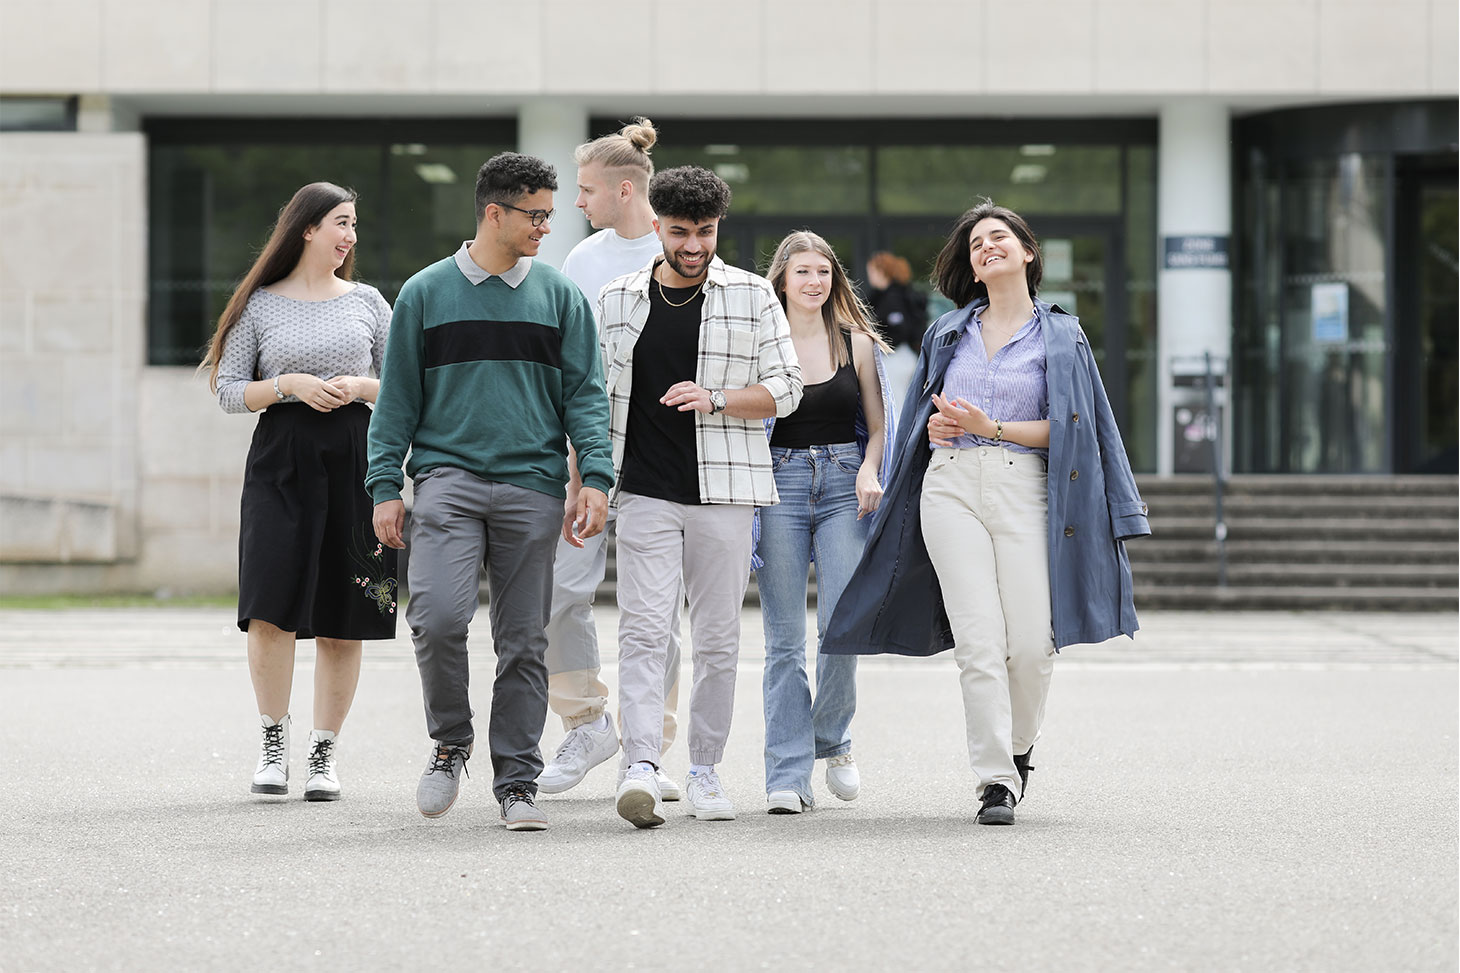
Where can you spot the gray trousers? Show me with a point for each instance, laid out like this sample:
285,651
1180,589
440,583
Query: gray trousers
459,522
710,545
576,691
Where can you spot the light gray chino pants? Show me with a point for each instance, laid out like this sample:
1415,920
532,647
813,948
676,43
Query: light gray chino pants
459,522
710,545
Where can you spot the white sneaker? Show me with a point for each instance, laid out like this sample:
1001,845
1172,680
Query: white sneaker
668,789
584,748
842,778
707,800
272,774
322,784
638,799
785,802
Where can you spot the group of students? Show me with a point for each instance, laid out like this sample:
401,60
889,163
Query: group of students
720,422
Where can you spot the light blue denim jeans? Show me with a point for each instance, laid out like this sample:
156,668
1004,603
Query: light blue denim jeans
817,516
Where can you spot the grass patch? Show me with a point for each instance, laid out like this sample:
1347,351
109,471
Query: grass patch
70,602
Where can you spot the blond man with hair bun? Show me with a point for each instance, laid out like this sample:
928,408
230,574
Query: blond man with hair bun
613,193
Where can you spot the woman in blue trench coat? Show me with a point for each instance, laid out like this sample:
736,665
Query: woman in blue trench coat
1001,532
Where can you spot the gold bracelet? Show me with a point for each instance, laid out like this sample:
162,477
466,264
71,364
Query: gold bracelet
998,431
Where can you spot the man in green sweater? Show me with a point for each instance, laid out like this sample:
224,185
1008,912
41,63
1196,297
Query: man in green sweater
491,364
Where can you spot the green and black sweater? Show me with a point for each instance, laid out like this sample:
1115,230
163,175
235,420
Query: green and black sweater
490,379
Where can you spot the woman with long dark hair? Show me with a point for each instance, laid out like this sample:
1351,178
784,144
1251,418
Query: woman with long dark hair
1010,500
300,340
828,461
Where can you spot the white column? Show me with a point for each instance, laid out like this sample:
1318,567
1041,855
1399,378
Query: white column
1194,199
551,130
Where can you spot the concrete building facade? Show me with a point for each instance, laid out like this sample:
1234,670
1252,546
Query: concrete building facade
1258,183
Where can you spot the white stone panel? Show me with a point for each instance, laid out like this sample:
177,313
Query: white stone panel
592,47
683,64
172,503
269,45
94,398
1262,45
468,58
30,397
929,46
1150,47
817,46
78,320
1018,37
1372,52
183,432
159,45
77,467
50,47
1444,47
382,45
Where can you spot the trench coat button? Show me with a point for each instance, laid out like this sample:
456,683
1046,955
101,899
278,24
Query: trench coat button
1143,509
1074,474
1075,417
1069,532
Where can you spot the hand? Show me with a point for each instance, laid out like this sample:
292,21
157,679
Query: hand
686,396
348,384
389,521
589,516
313,391
869,491
570,514
958,416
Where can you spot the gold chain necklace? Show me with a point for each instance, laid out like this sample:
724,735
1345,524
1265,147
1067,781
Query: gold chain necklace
665,297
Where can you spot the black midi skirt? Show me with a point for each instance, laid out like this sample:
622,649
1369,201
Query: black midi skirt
308,560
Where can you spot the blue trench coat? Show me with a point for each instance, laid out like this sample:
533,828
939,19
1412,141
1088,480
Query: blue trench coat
893,602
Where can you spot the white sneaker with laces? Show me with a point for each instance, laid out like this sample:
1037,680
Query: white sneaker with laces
707,800
668,789
272,774
638,798
785,802
584,748
842,778
322,784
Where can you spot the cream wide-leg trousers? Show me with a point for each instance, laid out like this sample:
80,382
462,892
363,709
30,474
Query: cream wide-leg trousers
984,523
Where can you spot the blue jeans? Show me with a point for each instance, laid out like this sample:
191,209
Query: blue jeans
817,515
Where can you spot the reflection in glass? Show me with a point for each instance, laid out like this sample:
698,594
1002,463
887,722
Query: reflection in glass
940,179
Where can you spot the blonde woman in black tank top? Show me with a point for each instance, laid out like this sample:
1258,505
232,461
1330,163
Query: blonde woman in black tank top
828,462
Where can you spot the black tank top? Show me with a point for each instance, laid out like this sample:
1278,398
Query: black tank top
827,412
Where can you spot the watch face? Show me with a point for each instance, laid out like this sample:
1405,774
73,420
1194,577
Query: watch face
717,400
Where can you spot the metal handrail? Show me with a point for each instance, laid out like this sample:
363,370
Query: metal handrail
1218,471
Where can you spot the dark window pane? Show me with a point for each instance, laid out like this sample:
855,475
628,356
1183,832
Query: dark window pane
783,179
1048,179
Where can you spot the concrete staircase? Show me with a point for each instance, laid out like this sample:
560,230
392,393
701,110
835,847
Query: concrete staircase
1375,543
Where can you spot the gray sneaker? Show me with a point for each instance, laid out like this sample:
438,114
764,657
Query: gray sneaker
442,780
520,812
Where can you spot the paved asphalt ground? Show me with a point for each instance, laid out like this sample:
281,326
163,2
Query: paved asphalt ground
1229,792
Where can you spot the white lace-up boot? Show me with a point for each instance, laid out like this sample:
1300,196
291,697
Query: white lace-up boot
322,784
272,775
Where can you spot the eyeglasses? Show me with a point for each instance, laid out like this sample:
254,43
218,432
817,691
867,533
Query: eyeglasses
538,216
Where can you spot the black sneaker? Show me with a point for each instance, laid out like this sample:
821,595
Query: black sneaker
1022,764
997,807
520,812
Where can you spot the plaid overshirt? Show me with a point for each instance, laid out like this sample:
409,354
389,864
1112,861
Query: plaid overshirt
744,341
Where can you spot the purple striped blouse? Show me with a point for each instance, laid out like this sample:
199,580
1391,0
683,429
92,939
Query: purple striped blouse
1010,387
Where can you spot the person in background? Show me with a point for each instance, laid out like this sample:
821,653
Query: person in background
300,342
829,459
1011,498
901,312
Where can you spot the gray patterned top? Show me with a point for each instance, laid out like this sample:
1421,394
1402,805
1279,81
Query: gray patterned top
277,335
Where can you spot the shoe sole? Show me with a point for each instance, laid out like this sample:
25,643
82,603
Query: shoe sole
435,814
846,797
525,825
713,815
272,790
637,808
1000,816
321,795
784,809
671,796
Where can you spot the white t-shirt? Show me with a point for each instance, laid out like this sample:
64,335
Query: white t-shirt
605,255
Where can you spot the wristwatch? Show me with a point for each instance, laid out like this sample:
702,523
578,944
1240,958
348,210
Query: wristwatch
717,401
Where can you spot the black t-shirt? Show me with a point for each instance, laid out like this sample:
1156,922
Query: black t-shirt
827,413
660,458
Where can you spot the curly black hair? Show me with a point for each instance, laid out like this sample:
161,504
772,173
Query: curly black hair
508,176
689,193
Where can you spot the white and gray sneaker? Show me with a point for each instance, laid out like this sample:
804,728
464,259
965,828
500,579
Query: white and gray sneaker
322,784
441,780
272,774
842,778
638,798
668,789
584,748
707,800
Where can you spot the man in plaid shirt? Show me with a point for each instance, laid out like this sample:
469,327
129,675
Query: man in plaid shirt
696,355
